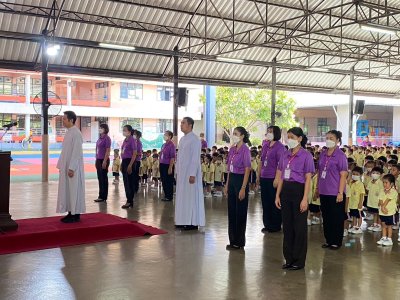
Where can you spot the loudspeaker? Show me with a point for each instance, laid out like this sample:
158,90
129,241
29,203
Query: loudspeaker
359,109
183,95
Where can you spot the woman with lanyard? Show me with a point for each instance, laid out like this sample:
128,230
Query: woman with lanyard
167,160
237,188
295,169
128,155
103,148
271,152
332,176
137,135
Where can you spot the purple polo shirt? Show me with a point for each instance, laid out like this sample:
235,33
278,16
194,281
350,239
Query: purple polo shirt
239,159
168,151
128,147
204,144
299,165
102,144
335,164
139,148
270,157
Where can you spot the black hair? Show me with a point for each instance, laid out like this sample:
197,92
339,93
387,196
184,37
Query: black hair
297,131
129,128
220,157
105,127
138,134
377,169
215,147
397,166
215,154
392,162
390,178
358,170
154,150
148,151
276,131
155,155
350,160
245,133
71,116
253,153
394,157
369,158
189,120
169,133
394,151
382,158
337,134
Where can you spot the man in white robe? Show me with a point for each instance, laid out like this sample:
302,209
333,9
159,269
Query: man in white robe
189,204
71,186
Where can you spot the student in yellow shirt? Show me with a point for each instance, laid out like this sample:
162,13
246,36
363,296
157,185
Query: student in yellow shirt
116,167
387,209
253,172
374,188
355,199
314,204
208,175
218,176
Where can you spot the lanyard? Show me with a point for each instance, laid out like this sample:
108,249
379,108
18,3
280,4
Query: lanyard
291,159
268,149
328,158
234,155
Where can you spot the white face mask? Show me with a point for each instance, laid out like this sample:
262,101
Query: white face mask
166,137
375,176
235,139
292,143
101,131
134,137
269,136
356,177
330,144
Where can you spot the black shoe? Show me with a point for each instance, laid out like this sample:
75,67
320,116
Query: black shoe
64,219
233,247
73,219
99,200
334,247
264,230
295,268
179,226
326,246
166,199
190,227
286,266
127,205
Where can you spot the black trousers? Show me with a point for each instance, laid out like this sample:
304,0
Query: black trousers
294,224
167,181
272,216
136,171
102,177
129,180
237,210
332,214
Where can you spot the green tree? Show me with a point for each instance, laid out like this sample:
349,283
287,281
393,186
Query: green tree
248,106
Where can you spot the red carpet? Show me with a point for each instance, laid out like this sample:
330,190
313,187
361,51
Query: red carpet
45,233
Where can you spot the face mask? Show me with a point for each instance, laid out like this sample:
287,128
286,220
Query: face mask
269,136
330,144
101,131
375,176
166,138
134,137
356,177
235,139
126,133
292,143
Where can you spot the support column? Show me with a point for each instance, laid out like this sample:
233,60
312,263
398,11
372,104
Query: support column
210,114
342,123
45,114
396,123
28,103
351,101
176,95
69,92
273,94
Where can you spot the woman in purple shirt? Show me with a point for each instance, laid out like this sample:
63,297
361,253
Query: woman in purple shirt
137,135
237,188
271,152
103,147
332,174
167,161
128,155
294,182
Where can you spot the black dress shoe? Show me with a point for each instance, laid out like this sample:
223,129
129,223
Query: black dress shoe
233,247
295,268
64,219
190,227
286,266
326,246
264,230
127,205
73,219
165,199
334,247
179,226
100,200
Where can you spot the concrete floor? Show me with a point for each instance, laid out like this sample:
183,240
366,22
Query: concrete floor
189,265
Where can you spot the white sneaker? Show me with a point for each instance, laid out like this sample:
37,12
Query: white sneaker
371,228
357,231
378,228
345,232
369,217
395,227
218,194
388,242
208,195
316,221
398,239
309,222
154,188
381,241
351,230
251,193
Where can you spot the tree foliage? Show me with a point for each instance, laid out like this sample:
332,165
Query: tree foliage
248,107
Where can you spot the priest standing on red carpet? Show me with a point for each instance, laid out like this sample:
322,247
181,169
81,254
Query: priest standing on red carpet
71,186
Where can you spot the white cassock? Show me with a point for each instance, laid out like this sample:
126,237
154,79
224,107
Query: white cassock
189,204
71,191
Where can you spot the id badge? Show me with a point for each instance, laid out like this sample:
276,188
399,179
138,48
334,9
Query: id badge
231,168
265,163
323,174
287,174
122,152
162,156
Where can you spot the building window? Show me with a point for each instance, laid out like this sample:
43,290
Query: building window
322,126
165,93
131,91
36,87
164,125
5,85
134,122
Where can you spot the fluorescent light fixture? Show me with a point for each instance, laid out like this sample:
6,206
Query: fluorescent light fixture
379,28
116,47
231,60
52,50
318,69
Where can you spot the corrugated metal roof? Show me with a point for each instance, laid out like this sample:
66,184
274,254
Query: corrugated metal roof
170,18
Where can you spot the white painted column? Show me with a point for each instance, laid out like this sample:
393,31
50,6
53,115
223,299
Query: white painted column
69,92
342,123
28,104
396,123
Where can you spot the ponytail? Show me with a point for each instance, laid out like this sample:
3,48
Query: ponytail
245,133
297,131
